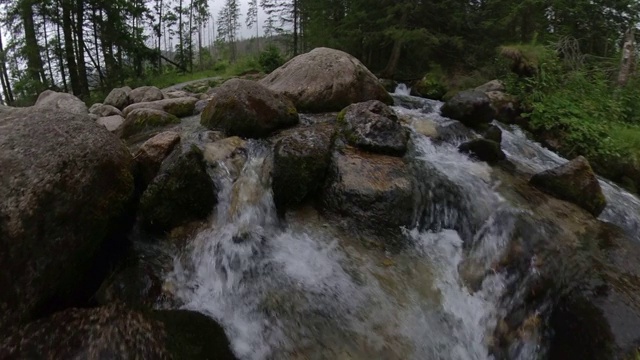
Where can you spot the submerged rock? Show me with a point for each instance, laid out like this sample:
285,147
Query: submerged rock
574,181
64,182
483,149
56,101
493,133
179,107
301,157
110,332
151,154
472,108
145,94
376,191
118,97
325,80
181,193
140,120
231,152
246,108
373,126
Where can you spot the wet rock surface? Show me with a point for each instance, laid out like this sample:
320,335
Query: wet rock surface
145,119
483,149
472,108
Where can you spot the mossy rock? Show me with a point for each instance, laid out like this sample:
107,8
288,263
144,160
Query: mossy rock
183,192
301,158
574,181
192,335
429,87
140,120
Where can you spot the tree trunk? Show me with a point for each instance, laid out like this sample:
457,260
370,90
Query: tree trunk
32,49
59,54
82,68
97,48
46,47
394,58
67,29
628,61
180,30
159,33
295,27
191,36
4,78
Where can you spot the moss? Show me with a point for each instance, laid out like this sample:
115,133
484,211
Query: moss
145,119
180,108
182,193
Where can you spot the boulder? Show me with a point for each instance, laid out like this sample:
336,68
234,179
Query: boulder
246,108
57,101
426,127
493,85
102,110
389,85
145,94
472,108
493,133
200,106
182,192
6,109
373,126
176,94
376,191
118,97
140,120
326,80
506,106
191,335
112,123
151,154
483,149
301,157
179,107
110,332
575,182
64,184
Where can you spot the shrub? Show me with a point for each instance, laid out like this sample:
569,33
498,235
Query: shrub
270,59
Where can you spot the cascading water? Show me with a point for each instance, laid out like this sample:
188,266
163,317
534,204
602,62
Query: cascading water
402,89
304,288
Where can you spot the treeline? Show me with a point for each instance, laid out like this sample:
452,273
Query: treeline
78,45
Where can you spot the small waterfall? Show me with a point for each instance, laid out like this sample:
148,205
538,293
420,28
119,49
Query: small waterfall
402,89
306,288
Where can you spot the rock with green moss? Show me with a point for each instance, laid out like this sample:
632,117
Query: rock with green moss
140,120
326,80
246,108
429,87
483,149
574,181
145,94
373,126
472,108
65,183
193,336
179,107
375,191
110,332
200,87
301,157
182,192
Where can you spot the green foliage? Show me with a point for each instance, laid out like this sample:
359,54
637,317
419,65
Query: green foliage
270,59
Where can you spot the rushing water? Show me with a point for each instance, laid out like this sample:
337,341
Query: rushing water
304,288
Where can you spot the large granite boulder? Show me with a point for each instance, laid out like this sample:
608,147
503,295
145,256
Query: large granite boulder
376,191
145,94
574,181
326,80
180,107
473,108
140,120
118,97
301,157
246,108
65,181
152,153
57,101
110,332
373,126
112,123
182,192
102,110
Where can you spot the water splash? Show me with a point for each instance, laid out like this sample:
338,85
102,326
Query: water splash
402,89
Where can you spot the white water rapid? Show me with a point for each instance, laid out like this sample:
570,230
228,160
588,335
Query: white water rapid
302,288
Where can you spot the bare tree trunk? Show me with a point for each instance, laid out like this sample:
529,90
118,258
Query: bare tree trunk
396,51
46,47
32,49
97,48
59,54
82,68
67,29
4,78
159,33
191,36
295,27
628,61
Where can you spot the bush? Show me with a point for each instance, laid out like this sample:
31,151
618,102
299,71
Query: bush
270,59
